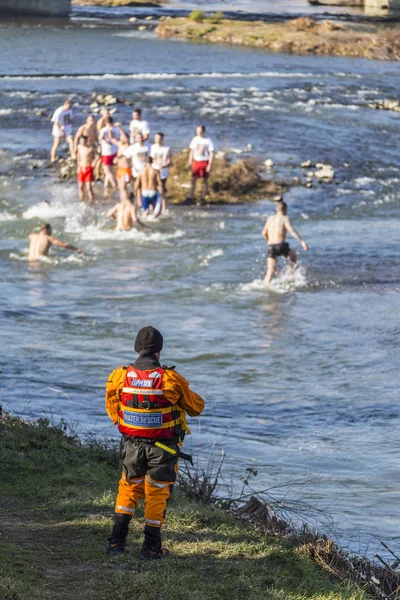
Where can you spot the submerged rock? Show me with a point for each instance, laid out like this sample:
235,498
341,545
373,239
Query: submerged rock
325,173
386,105
306,164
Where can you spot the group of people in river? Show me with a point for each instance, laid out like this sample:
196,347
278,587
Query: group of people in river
128,159
140,172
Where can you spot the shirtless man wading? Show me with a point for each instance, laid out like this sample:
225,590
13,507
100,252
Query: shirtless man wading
88,130
125,214
40,243
85,157
147,187
274,232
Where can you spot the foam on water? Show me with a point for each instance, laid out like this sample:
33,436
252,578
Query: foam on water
213,254
46,210
93,232
282,283
5,216
155,76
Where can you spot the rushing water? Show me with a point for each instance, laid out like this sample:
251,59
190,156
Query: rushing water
301,381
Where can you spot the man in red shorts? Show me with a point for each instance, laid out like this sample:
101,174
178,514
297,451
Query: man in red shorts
108,152
85,157
201,158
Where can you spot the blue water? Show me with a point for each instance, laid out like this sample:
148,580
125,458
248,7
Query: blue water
301,381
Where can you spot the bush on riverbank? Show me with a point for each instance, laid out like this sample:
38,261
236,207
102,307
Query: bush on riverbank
116,3
297,36
230,181
56,505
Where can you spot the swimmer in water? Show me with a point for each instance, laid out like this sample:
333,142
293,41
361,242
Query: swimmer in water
274,232
40,243
148,186
125,214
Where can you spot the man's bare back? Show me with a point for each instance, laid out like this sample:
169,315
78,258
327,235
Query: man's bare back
126,216
149,180
276,228
40,243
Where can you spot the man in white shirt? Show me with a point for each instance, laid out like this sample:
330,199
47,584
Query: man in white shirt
108,152
201,157
138,152
137,125
161,156
62,129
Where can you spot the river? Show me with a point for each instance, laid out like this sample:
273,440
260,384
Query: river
301,382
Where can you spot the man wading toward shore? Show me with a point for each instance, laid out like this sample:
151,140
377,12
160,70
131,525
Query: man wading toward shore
149,403
274,232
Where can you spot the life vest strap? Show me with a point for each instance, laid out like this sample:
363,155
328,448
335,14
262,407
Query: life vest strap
142,391
163,410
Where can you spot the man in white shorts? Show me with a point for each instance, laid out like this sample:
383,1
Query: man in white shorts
108,152
138,152
161,156
201,157
62,129
137,125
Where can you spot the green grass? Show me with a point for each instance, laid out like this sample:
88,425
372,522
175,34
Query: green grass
197,16
56,505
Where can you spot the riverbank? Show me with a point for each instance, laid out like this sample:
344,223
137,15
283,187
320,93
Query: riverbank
296,36
116,3
56,506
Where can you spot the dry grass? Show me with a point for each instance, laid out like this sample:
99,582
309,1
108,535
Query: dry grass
230,182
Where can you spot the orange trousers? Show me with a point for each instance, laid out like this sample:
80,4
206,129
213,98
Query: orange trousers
148,472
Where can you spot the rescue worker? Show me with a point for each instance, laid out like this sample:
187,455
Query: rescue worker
149,403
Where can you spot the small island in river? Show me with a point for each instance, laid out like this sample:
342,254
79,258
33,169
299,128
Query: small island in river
295,36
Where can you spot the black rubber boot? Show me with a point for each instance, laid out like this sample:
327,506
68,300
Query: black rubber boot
115,547
146,554
152,549
116,542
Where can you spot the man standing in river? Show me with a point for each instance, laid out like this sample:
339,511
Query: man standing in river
88,130
274,232
148,187
62,129
40,243
161,156
201,157
85,157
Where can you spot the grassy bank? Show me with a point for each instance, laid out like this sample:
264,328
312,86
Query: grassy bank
56,504
300,36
